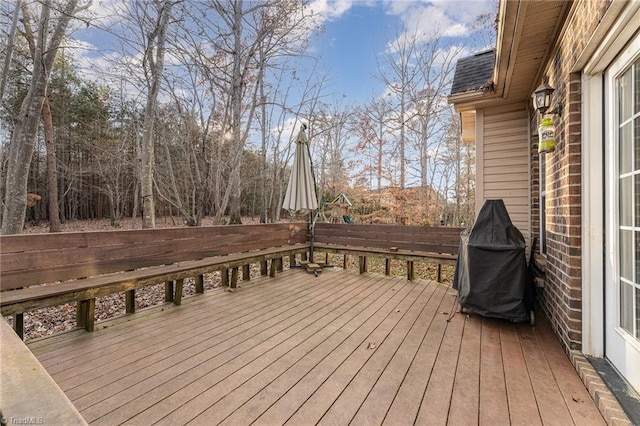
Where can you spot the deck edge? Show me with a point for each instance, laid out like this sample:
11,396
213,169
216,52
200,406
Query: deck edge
604,399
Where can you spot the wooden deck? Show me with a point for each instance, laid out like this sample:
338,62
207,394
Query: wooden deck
338,349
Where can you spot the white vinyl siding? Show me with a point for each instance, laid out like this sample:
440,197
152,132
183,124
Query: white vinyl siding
504,166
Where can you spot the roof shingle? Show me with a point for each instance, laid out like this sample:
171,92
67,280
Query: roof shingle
474,72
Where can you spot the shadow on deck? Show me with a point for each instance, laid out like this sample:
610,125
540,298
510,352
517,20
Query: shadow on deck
337,349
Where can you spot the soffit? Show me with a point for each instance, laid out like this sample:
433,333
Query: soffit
528,31
527,35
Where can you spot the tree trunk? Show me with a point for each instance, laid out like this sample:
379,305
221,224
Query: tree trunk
155,60
24,134
20,153
52,169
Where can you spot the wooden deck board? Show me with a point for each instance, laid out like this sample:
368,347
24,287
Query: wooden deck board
340,348
300,377
523,408
576,396
493,393
214,360
218,327
466,386
215,405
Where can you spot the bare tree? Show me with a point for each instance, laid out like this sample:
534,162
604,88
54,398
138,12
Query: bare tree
240,41
153,65
47,121
400,75
330,133
9,49
24,134
371,127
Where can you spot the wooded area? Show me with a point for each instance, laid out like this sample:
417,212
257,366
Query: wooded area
197,115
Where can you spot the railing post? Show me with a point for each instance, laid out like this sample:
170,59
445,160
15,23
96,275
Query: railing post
225,277
439,273
345,261
387,266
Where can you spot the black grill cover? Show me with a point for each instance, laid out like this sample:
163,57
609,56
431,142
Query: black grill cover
491,273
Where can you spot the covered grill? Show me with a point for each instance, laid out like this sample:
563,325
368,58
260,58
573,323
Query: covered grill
491,273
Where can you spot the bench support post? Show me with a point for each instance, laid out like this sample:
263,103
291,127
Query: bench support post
363,264
345,261
177,297
18,325
439,273
246,272
200,284
224,276
274,267
130,301
264,269
280,264
234,277
168,291
292,261
387,266
85,314
410,270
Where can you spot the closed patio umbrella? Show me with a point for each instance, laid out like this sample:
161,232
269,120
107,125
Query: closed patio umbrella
301,191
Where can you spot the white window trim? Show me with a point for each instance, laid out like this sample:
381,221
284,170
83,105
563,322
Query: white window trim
592,171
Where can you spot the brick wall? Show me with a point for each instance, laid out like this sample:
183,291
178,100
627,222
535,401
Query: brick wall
561,297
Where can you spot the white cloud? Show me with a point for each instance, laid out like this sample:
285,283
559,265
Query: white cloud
428,19
329,9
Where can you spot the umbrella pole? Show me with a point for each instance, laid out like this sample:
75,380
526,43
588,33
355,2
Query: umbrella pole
311,226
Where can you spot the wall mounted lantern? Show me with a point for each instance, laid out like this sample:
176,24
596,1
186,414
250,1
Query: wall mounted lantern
542,98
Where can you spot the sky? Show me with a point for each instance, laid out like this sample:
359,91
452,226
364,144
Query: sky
357,34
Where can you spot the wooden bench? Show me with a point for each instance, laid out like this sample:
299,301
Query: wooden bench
80,266
437,245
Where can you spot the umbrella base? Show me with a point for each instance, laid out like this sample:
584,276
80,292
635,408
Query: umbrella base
314,268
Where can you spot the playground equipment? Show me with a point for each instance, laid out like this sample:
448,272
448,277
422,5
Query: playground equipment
337,209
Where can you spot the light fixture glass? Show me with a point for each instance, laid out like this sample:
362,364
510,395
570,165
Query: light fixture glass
542,97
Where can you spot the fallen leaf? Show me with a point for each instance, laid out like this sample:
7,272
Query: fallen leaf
397,310
444,313
372,345
576,399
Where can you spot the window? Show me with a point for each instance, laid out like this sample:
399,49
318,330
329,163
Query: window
628,185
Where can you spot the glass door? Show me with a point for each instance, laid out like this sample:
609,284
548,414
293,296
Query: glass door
622,306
